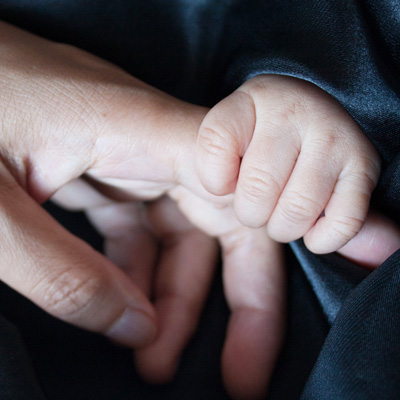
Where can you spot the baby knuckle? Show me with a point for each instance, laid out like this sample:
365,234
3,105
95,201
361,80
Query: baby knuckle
297,208
293,108
328,142
214,141
259,185
70,293
258,82
368,171
344,229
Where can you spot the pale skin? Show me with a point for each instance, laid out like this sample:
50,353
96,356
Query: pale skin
83,132
327,165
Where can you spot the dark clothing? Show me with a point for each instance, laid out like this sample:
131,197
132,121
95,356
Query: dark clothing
343,339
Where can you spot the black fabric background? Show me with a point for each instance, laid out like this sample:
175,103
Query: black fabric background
343,339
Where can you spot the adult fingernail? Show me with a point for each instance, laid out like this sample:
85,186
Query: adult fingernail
133,329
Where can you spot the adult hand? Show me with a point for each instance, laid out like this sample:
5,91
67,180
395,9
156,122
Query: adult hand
253,276
254,283
67,114
173,263
61,110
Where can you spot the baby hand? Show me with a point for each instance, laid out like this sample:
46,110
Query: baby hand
296,161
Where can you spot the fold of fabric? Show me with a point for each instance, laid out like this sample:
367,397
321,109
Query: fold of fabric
332,278
361,356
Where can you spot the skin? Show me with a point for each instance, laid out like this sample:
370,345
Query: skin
327,166
84,133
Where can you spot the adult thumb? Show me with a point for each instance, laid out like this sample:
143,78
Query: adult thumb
65,276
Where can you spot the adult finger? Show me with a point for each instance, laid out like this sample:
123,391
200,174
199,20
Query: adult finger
255,290
127,241
377,240
79,195
65,276
254,285
182,280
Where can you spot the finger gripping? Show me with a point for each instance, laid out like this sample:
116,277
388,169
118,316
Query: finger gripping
256,195
298,208
345,228
259,184
214,142
330,236
223,138
219,161
293,216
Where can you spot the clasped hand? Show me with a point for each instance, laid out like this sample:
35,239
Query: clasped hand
79,130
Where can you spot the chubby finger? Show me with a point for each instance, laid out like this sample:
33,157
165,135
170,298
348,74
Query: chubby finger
307,192
224,136
255,290
346,210
65,276
182,281
264,172
377,240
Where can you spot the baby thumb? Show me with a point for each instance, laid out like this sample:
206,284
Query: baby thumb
224,136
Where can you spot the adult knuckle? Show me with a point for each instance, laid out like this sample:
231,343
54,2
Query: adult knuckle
69,293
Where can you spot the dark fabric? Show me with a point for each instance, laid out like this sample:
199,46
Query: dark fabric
361,356
201,50
17,379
